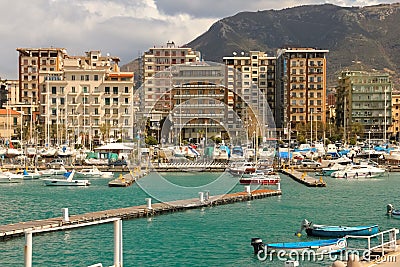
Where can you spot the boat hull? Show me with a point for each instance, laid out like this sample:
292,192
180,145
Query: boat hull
56,182
342,231
260,181
322,247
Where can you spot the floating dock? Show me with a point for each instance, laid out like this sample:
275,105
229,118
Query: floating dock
18,229
304,178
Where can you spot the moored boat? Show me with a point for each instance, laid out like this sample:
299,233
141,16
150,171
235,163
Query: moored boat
359,171
261,178
69,181
93,172
336,231
391,211
317,247
122,181
9,177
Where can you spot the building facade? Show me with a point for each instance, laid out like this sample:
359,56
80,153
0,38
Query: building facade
395,127
301,88
80,99
364,98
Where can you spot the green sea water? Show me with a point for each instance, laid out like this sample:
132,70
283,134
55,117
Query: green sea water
213,236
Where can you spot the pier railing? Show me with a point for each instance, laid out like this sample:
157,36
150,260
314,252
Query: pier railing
387,242
117,239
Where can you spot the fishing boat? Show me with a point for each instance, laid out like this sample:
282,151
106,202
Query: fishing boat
122,181
336,231
93,172
359,172
69,181
261,178
391,211
317,247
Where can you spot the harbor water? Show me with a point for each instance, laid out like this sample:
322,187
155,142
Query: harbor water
212,236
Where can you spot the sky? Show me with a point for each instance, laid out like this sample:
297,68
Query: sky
122,28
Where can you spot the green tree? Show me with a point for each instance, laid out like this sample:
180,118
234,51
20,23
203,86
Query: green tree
150,140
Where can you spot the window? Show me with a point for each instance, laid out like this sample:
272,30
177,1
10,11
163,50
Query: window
96,111
115,90
107,90
115,101
96,77
96,100
115,111
107,111
107,101
54,90
73,90
126,89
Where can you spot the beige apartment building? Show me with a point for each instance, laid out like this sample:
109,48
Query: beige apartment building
80,99
301,88
395,127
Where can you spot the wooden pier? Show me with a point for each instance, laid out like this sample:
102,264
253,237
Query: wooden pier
304,178
18,229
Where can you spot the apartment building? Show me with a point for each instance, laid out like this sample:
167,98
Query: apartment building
80,98
257,76
301,87
365,97
395,127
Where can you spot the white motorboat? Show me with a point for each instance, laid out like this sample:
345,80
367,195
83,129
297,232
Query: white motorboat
93,172
31,175
242,168
69,181
359,171
336,165
53,172
9,177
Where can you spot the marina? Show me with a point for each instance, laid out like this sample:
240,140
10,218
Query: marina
274,219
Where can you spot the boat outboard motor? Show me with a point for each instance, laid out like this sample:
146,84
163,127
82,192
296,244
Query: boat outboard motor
305,224
389,208
257,244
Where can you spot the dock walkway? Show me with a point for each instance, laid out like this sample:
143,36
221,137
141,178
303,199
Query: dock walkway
18,229
304,178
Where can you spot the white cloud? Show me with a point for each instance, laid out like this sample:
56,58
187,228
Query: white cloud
123,28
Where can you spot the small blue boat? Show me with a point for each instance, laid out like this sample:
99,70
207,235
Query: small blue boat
337,231
317,247
391,211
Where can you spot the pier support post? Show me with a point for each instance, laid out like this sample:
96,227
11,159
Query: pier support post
65,214
118,243
201,197
247,189
279,186
206,195
28,250
149,203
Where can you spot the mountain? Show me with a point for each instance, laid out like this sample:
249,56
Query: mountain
357,37
370,35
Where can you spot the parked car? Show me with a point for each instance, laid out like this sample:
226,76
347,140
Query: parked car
55,163
310,163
